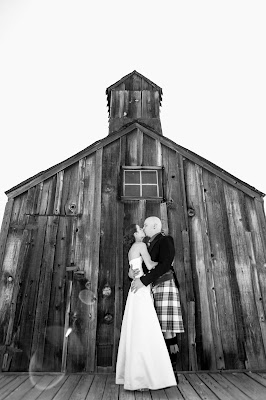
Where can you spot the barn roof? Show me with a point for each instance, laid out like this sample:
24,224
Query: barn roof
43,175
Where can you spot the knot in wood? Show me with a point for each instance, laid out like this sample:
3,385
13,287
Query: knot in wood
72,207
170,203
108,318
191,212
106,291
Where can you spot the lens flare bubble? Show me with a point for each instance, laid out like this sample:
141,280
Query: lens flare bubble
87,297
44,383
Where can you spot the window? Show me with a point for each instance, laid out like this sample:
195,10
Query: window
142,182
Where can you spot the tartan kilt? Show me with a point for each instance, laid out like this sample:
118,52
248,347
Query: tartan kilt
167,306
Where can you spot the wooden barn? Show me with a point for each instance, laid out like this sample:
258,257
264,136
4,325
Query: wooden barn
63,281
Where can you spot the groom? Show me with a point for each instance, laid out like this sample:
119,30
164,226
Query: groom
163,281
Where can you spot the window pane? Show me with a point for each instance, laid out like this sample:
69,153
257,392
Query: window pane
149,177
149,191
132,176
132,190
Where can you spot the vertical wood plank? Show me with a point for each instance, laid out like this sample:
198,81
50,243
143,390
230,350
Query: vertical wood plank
150,151
95,261
31,193
120,266
18,210
70,190
213,193
144,104
253,341
4,229
82,298
260,210
26,303
257,289
134,148
11,259
80,196
191,327
106,287
213,307
44,291
174,196
259,243
57,305
58,192
45,202
25,242
121,104
119,273
66,325
159,153
50,187
37,199
164,218
205,344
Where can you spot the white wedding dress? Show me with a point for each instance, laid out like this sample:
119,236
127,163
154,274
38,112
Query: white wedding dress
143,360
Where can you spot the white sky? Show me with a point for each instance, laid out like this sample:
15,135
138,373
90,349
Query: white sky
57,57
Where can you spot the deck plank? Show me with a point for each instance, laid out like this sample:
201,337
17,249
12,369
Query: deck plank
111,389
21,391
215,387
67,388
125,394
146,395
97,388
6,380
262,374
229,387
200,385
257,377
81,390
173,393
187,391
12,385
39,387
53,388
158,394
203,391
252,388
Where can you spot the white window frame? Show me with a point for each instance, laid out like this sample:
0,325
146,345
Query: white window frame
140,184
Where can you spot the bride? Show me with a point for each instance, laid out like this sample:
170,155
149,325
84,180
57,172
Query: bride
143,360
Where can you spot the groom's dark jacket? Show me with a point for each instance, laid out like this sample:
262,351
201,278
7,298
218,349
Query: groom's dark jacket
162,250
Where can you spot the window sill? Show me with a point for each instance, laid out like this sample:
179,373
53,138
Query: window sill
125,198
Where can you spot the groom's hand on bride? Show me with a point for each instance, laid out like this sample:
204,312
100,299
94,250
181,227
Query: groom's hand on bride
133,272
136,285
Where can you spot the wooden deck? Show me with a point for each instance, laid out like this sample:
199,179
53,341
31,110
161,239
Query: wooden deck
240,385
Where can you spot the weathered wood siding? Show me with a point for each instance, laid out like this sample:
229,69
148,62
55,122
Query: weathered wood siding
64,280
134,98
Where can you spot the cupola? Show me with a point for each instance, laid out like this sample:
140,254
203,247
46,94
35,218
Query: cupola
134,98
